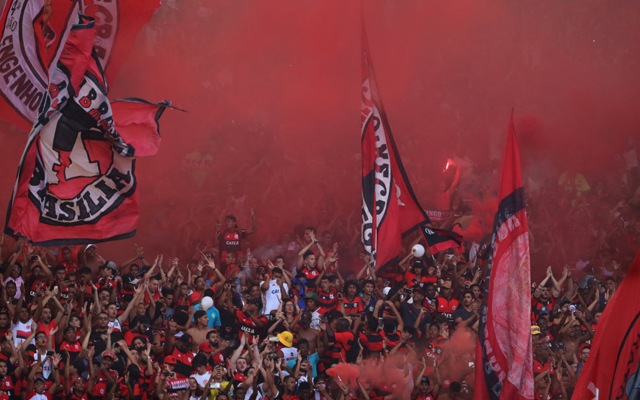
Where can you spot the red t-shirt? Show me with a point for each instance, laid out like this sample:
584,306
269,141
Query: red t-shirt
353,307
46,328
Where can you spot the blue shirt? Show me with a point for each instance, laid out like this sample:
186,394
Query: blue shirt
313,358
212,313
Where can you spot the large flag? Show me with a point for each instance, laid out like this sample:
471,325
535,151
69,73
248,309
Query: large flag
612,370
34,33
76,181
389,206
504,363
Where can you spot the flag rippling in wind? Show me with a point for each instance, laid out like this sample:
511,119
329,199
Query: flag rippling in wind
389,206
504,363
76,180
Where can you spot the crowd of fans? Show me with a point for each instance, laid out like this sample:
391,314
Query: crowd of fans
295,323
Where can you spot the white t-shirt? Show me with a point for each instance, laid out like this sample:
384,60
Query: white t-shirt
21,332
315,320
270,296
202,379
115,324
290,353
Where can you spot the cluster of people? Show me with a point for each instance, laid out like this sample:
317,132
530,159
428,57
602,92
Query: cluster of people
296,321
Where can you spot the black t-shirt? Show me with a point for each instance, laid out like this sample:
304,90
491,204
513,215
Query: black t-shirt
461,312
409,315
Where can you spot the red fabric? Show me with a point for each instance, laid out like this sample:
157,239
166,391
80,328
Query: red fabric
504,363
389,206
614,352
38,42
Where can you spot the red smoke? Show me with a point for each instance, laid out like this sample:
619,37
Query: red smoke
272,89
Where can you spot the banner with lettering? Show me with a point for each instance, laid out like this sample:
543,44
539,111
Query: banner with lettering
504,361
76,181
34,33
390,209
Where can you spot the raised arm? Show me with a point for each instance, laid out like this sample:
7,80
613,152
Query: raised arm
254,224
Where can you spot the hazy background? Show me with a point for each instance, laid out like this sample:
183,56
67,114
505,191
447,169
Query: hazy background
272,90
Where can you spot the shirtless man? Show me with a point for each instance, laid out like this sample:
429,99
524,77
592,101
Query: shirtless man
306,332
200,331
572,337
90,258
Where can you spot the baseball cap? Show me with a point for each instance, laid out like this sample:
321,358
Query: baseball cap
206,347
256,302
311,295
544,310
170,360
108,354
186,338
535,330
446,284
39,379
129,278
110,265
305,317
424,379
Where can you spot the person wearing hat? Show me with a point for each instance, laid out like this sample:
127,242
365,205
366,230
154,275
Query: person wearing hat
410,313
74,384
36,386
445,303
70,343
536,334
183,355
103,375
250,321
422,384
199,332
169,366
88,257
128,290
107,271
140,326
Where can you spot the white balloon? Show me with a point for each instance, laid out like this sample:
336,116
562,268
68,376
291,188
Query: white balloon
418,250
207,302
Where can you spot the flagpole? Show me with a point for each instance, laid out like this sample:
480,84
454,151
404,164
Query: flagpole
2,245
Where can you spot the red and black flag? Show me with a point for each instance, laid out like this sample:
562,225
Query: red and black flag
612,370
34,33
504,363
440,239
389,207
33,36
76,181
